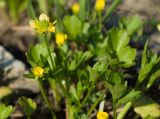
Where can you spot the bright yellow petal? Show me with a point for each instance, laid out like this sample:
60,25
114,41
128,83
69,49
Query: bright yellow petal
100,5
102,115
51,29
38,71
60,38
75,8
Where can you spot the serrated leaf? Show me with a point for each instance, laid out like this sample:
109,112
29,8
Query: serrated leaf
118,39
36,52
5,111
120,92
79,59
144,71
73,92
132,24
144,56
153,78
118,47
127,55
131,96
79,89
73,25
28,105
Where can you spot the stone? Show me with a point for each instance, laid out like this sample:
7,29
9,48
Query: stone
12,71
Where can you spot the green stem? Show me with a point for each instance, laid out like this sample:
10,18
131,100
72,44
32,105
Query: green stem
57,97
94,105
28,117
125,110
43,6
114,111
46,100
85,99
63,88
30,9
49,51
111,9
93,17
99,21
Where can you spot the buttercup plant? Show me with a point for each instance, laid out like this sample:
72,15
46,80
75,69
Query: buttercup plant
84,55
84,60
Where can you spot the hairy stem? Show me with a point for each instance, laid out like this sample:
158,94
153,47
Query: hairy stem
49,51
94,105
46,100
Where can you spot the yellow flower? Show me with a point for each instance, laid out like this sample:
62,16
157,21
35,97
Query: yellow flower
75,8
158,27
102,115
38,71
60,38
42,24
100,4
51,28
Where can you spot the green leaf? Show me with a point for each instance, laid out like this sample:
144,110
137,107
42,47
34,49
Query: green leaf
132,24
73,92
35,54
82,9
101,65
118,47
153,78
73,25
127,55
144,56
79,89
5,111
131,96
49,61
79,59
118,39
149,67
145,106
121,94
86,27
116,85
28,105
